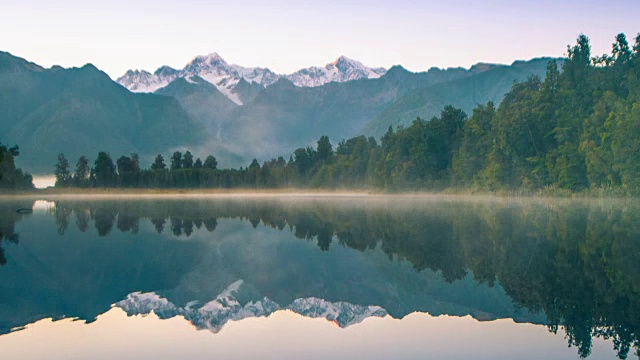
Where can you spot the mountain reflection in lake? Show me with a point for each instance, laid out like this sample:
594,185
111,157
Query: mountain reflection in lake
568,266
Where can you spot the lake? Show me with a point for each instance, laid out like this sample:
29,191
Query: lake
341,276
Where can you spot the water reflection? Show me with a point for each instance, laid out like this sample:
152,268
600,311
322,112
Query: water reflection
9,215
569,266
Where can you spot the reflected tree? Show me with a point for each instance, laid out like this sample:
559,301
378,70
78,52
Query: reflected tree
575,264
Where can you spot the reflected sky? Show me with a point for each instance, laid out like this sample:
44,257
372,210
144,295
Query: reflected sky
286,335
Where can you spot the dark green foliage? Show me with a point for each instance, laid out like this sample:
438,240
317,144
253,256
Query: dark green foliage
158,163
62,172
12,177
325,150
210,163
104,170
128,170
176,160
477,141
81,176
187,160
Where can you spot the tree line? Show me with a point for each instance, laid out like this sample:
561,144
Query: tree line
576,129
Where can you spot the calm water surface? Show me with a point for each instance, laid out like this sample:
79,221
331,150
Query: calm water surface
314,277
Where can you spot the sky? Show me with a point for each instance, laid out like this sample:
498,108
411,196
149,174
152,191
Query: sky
286,35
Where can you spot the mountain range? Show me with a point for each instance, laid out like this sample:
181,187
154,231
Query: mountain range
214,314
225,77
235,113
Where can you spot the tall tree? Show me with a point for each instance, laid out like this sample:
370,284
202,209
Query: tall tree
12,177
187,160
104,170
324,151
61,171
158,163
176,160
81,176
210,163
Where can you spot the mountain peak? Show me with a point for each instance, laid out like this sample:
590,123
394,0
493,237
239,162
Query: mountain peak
165,71
340,70
342,60
212,59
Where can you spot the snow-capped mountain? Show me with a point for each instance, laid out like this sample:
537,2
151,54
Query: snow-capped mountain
214,69
225,307
342,313
341,70
144,81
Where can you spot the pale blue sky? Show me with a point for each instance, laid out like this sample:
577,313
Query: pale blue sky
287,35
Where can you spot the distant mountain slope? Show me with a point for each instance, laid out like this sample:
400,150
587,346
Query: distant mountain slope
284,117
82,111
203,100
488,85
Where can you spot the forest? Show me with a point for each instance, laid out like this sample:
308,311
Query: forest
576,129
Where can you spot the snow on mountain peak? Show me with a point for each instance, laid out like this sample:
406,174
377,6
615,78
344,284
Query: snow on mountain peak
144,81
341,70
166,71
344,62
212,68
212,60
224,76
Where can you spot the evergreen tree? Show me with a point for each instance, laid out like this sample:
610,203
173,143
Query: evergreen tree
176,160
324,150
62,173
12,177
187,160
210,163
158,163
81,176
104,170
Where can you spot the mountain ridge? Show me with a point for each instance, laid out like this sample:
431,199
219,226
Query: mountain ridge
80,111
214,69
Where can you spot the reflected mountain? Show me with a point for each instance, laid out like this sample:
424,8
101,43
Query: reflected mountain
565,265
214,314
